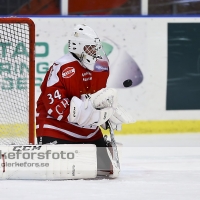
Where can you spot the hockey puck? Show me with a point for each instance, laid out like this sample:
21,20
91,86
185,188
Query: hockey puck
127,83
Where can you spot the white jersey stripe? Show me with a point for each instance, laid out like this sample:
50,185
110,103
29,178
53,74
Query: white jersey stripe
87,127
70,133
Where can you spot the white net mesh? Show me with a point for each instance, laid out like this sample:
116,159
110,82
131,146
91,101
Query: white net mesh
14,83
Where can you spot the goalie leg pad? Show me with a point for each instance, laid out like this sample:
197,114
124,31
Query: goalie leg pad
48,162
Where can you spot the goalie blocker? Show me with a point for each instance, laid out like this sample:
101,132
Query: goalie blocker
49,162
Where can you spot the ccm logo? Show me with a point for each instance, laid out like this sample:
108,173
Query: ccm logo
68,72
26,148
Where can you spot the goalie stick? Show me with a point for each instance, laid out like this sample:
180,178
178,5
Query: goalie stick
115,151
114,158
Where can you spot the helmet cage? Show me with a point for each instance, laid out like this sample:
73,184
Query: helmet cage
86,45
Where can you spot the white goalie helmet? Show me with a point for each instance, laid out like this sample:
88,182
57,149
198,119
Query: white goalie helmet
86,44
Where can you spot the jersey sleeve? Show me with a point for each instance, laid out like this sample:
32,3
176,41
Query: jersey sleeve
54,95
56,103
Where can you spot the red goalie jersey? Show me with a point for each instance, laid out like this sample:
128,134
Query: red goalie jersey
65,79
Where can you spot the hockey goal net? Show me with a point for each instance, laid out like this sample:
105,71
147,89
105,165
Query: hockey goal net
17,80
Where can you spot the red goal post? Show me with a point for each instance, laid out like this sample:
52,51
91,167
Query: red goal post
17,81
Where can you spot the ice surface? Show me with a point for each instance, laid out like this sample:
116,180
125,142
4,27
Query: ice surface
153,167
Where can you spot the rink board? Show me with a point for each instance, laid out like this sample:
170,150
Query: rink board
147,127
159,127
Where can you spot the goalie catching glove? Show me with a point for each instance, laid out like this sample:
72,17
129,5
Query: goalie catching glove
120,116
85,114
106,98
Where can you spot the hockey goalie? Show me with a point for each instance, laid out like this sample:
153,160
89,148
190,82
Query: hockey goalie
73,106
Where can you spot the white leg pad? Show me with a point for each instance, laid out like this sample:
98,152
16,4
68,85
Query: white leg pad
48,162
